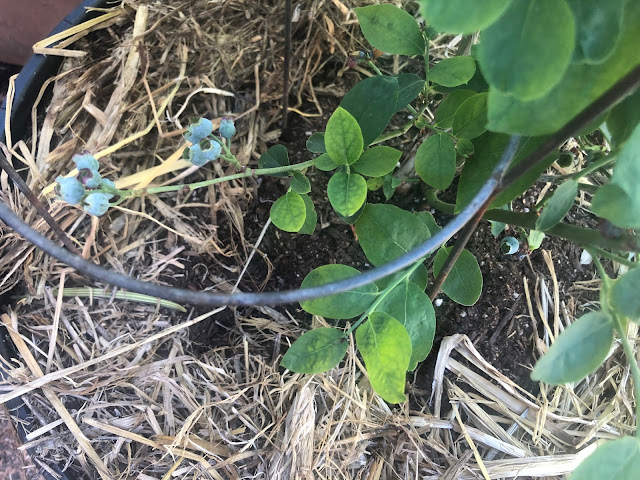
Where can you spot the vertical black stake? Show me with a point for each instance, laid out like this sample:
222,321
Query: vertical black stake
287,61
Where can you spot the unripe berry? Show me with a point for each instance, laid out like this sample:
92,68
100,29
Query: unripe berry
97,203
203,152
69,189
227,128
509,245
89,178
198,130
86,160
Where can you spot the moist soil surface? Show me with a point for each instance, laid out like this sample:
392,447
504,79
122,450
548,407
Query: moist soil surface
499,324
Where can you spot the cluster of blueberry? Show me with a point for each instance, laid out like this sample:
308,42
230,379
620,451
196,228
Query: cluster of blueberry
94,192
205,148
82,189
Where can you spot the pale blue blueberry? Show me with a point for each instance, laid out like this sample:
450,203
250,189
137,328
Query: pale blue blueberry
227,128
97,203
212,150
89,178
86,160
69,189
198,130
199,156
509,245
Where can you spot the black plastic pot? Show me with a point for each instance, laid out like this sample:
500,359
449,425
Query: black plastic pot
27,87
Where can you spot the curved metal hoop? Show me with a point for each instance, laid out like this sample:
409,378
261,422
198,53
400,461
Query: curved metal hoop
266,298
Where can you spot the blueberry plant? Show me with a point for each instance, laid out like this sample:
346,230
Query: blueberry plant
538,66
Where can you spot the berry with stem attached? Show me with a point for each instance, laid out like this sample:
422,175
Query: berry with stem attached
97,203
227,128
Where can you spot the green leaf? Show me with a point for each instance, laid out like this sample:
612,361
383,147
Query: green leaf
465,147
347,192
374,183
388,187
409,87
276,156
526,52
324,163
464,283
429,221
386,232
316,351
447,108
300,184
534,239
453,71
619,201
343,137
615,460
614,204
592,126
342,305
311,217
385,347
477,84
372,102
498,227
419,277
435,161
408,304
523,183
470,119
558,205
288,213
624,295
598,27
462,16
477,169
580,86
315,143
391,29
377,161
351,219
577,351
624,118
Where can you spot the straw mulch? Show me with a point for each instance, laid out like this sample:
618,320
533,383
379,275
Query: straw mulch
115,385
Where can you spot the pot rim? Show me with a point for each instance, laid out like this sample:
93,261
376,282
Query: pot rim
27,87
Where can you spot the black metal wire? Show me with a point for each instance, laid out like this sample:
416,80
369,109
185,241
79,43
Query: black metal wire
266,298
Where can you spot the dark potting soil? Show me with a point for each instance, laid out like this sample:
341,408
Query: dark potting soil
498,324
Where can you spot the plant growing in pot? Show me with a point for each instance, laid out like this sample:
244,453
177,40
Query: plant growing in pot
482,105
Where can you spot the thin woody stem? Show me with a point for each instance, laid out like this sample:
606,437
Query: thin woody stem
44,213
469,228
461,242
